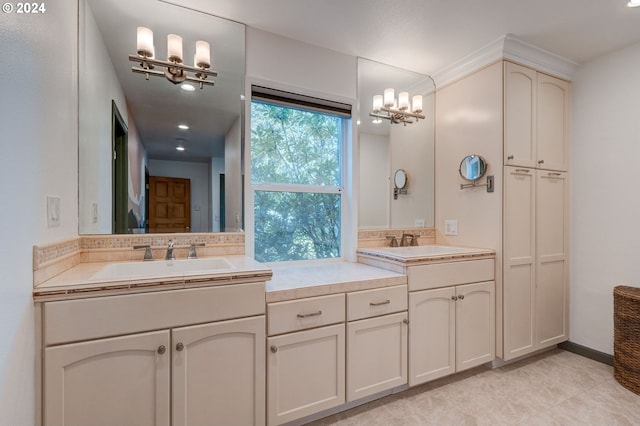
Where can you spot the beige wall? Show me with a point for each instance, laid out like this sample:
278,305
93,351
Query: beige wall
469,121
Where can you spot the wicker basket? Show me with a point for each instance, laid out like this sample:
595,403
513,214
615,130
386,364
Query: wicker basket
626,337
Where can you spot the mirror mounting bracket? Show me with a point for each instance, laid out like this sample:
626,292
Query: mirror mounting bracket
475,184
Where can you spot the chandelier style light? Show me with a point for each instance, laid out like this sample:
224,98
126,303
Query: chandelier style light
399,111
174,69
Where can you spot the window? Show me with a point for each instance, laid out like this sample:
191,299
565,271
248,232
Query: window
297,147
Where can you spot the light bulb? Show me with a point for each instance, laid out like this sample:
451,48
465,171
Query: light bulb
174,48
403,101
417,104
203,54
389,97
377,103
145,42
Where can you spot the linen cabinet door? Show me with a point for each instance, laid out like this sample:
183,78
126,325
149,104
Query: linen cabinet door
553,123
305,373
519,115
431,334
115,381
519,262
376,355
552,284
218,372
475,325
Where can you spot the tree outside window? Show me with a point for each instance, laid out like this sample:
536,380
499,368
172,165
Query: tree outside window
296,169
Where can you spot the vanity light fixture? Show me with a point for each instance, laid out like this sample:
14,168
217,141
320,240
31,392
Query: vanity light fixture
397,111
633,3
174,69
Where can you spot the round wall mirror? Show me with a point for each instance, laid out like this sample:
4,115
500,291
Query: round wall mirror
400,179
473,167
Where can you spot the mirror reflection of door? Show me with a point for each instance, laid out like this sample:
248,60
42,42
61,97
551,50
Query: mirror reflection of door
169,204
120,172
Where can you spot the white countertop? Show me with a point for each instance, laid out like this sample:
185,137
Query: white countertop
79,280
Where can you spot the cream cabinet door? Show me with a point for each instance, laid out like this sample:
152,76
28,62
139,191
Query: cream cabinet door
116,381
520,92
553,123
218,373
431,334
475,325
305,373
519,262
376,355
552,289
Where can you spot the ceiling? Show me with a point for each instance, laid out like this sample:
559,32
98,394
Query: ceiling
427,35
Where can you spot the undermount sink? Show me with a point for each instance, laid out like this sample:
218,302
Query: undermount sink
423,251
162,268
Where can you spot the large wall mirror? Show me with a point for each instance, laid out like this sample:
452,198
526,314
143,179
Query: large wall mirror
386,147
132,177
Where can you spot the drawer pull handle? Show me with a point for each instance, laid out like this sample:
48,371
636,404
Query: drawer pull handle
406,321
510,157
180,346
162,349
461,297
386,302
312,314
522,171
274,349
454,298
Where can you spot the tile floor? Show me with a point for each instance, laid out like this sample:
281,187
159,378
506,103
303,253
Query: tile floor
553,388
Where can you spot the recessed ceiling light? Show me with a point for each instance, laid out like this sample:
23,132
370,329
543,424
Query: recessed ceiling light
180,148
187,87
358,122
183,127
633,3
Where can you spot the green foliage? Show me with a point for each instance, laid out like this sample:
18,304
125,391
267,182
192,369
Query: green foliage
291,146
294,146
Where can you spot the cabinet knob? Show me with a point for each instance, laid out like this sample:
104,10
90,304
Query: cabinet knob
510,157
461,297
162,349
541,162
406,321
454,298
180,346
274,349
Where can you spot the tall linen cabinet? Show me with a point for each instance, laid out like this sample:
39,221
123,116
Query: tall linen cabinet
518,119
535,210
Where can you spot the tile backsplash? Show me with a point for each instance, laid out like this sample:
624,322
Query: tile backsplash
368,238
53,258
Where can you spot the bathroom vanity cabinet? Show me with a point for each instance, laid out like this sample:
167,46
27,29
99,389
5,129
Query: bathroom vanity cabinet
451,317
179,357
327,350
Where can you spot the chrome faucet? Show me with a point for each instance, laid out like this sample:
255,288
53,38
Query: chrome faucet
148,255
170,254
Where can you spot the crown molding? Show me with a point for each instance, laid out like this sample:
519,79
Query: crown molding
506,47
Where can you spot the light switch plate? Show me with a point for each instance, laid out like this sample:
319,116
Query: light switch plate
53,212
450,227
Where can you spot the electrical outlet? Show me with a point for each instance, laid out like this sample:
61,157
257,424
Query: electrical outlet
94,212
450,227
53,212
419,223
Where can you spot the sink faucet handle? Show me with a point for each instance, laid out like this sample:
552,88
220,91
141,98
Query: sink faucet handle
192,250
147,251
171,255
394,240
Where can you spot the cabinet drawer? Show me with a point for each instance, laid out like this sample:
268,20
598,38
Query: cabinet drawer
75,320
372,303
446,274
294,315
